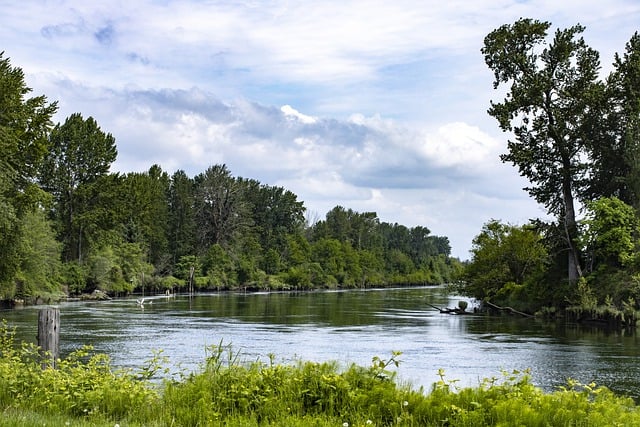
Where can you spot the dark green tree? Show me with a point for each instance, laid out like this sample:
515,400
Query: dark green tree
396,236
181,227
615,151
221,211
24,126
146,217
275,213
549,110
80,152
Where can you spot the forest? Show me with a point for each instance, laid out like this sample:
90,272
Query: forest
69,226
575,135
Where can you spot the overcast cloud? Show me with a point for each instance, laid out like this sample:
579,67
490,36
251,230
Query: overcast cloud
371,105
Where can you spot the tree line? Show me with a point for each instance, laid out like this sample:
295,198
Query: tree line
575,135
69,226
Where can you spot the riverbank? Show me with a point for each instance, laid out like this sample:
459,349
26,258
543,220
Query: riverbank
85,390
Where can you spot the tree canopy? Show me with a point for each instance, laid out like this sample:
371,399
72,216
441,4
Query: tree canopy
575,136
24,127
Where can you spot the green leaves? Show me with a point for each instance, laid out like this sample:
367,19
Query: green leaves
503,255
549,109
24,123
79,154
609,230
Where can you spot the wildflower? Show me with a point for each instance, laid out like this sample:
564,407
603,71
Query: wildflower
369,422
405,403
345,424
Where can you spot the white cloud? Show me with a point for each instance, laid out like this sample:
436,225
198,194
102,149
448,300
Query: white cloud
459,144
291,112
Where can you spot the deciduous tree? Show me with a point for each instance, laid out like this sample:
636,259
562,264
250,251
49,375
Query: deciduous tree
80,152
549,109
24,126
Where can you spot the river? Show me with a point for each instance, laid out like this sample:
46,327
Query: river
346,327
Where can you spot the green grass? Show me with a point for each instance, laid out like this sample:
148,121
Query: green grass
85,390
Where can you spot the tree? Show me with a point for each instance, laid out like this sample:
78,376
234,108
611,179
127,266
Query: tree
24,126
616,147
80,152
181,227
503,254
610,227
40,265
549,109
145,213
220,208
275,213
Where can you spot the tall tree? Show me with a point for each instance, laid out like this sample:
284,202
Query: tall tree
146,213
80,152
181,216
616,146
549,109
221,210
24,126
275,212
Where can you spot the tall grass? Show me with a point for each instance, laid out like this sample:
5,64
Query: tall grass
85,390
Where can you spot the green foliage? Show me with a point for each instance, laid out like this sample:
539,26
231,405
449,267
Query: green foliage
40,266
80,153
82,384
181,223
616,145
24,123
503,255
552,88
221,211
144,214
609,230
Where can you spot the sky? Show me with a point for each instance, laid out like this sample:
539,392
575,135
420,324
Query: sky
375,106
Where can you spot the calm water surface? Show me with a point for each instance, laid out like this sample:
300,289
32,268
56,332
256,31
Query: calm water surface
347,327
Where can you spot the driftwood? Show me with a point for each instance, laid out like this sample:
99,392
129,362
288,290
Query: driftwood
509,309
447,310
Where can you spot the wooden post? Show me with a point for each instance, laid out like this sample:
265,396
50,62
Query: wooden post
49,335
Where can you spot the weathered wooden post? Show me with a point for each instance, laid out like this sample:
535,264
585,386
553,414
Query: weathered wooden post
49,335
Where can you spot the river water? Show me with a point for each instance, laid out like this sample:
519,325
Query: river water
346,327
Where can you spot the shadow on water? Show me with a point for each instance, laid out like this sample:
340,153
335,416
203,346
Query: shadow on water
347,327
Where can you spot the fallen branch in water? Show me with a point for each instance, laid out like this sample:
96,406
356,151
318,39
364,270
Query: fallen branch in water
509,309
447,310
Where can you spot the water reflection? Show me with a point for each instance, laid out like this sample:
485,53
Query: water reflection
349,327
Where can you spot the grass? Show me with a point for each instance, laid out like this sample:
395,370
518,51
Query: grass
86,391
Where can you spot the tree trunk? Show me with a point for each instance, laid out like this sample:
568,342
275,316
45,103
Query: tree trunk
571,232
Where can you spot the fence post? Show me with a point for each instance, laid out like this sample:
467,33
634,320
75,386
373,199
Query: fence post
49,335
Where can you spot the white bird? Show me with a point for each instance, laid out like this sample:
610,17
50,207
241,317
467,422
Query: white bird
140,302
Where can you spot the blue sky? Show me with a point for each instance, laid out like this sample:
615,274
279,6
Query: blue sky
371,105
